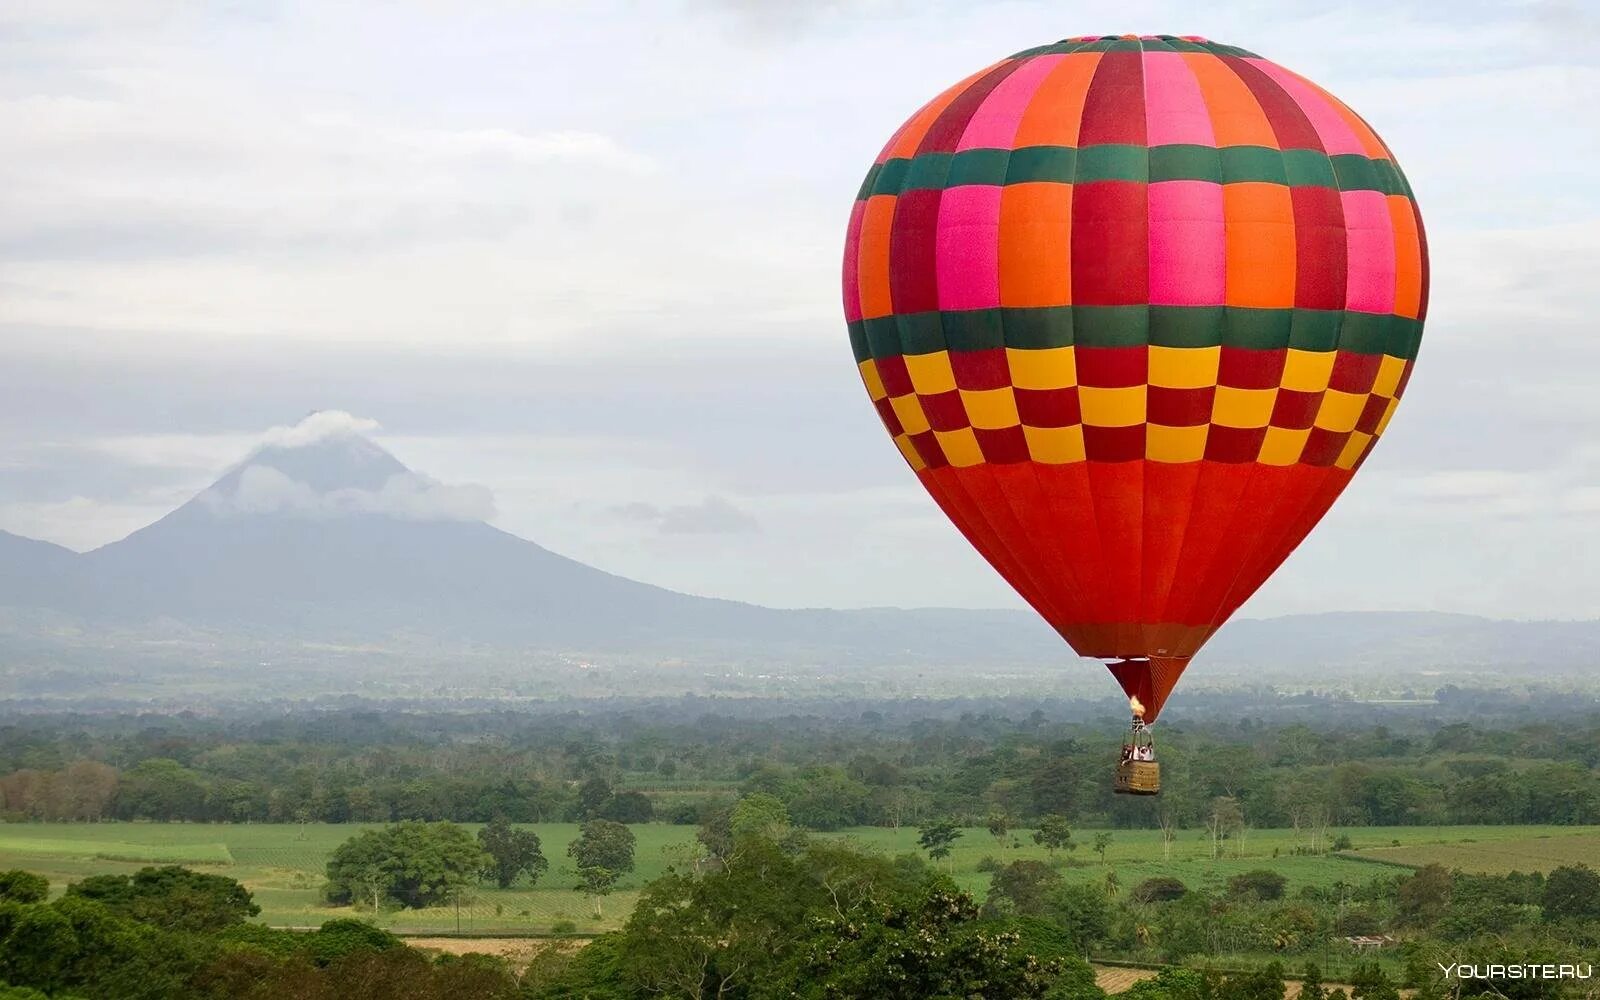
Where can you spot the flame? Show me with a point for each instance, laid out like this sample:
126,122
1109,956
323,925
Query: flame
1137,705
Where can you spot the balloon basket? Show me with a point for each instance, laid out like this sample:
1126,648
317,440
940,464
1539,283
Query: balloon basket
1137,773
1137,777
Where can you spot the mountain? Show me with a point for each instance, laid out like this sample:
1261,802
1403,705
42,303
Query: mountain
327,538
33,572
334,539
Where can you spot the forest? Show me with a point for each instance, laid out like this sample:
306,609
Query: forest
881,764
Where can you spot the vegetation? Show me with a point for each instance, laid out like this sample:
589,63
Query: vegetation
768,884
511,853
829,772
412,864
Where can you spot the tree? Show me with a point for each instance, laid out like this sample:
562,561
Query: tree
593,795
759,816
1226,819
933,946
1424,897
512,853
628,807
596,882
938,838
417,864
998,825
1571,891
1102,843
1369,982
171,897
1311,983
1024,888
604,844
1168,832
1054,834
827,798
18,886
1084,913
1261,884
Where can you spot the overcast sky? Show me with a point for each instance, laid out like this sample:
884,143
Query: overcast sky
584,256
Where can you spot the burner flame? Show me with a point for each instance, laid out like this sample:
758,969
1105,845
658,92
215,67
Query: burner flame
1137,705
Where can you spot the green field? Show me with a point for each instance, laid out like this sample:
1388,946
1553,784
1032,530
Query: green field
282,864
1535,852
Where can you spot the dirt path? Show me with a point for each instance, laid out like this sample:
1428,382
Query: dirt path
1115,979
518,950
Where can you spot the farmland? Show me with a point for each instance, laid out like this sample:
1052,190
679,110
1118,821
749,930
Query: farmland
1535,852
282,864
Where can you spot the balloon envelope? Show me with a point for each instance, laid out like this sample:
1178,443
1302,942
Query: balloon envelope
1135,309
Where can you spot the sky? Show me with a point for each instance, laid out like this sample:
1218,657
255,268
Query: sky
582,260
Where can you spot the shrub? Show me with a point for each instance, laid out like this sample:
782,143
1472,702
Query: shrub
1160,889
1260,884
19,886
341,937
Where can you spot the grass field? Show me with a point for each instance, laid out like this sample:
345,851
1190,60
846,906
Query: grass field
282,864
1536,852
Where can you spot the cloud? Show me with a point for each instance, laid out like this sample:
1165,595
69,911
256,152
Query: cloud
318,426
260,489
713,515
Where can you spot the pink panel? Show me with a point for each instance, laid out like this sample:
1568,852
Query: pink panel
1175,111
1188,262
1369,239
994,124
968,247
1336,135
852,263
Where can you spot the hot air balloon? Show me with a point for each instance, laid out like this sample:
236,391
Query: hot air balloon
1135,309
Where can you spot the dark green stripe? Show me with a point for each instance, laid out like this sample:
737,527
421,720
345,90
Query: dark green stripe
1130,326
1113,162
858,341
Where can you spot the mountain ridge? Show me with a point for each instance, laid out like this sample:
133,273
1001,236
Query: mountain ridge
326,536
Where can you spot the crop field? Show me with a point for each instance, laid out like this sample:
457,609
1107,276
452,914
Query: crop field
1534,852
283,864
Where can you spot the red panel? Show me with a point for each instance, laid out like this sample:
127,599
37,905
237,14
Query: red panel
1005,446
1113,108
1118,490
928,448
981,369
1293,129
1354,372
892,373
1294,409
1112,367
1243,368
1207,540
913,276
944,410
1048,407
1110,244
1113,444
1179,407
891,420
1234,444
1320,249
1169,499
1323,446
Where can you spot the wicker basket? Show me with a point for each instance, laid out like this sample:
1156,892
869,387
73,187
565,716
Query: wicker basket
1137,777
